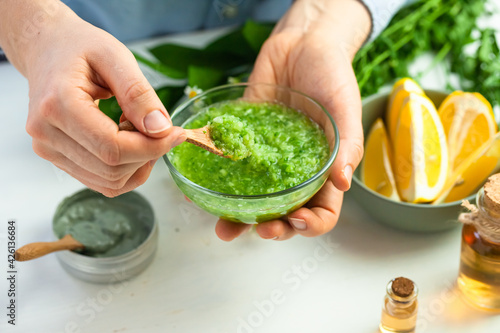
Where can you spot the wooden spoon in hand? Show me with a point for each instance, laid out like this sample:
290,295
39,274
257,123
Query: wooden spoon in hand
36,250
198,136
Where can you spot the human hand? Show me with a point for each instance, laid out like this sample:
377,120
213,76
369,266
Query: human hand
69,65
311,50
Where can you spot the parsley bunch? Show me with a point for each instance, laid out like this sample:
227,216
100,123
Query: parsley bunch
443,27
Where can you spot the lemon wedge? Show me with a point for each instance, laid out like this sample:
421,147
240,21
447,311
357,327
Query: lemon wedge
376,171
400,91
472,172
468,122
420,151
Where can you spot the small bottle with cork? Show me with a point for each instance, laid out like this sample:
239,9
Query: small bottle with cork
399,312
479,274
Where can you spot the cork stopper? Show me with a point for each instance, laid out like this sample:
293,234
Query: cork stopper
491,199
402,287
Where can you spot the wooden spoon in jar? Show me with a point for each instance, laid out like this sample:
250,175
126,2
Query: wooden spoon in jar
198,136
38,249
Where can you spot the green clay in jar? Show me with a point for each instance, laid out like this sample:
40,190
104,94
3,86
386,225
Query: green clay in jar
105,226
273,147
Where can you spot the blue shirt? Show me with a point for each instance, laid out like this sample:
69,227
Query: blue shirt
134,19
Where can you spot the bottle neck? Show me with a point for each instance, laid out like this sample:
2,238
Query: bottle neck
488,221
402,301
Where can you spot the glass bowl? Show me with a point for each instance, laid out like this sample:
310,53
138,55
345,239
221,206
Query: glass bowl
264,207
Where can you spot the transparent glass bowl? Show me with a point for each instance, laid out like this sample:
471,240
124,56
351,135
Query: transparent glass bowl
265,207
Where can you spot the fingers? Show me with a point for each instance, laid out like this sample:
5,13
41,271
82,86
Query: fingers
322,214
345,107
69,130
275,230
327,76
110,188
98,134
350,134
338,92
58,141
227,231
136,180
134,94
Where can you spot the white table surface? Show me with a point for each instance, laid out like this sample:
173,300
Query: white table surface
197,283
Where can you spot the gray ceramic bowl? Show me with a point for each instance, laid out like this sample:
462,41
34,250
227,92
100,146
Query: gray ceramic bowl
402,215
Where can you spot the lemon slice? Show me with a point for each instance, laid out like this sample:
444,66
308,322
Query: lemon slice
376,171
472,172
468,122
401,89
420,151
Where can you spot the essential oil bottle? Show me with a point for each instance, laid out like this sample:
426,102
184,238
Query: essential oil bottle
479,274
399,312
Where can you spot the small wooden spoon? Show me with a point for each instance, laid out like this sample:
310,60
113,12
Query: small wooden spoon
36,250
198,136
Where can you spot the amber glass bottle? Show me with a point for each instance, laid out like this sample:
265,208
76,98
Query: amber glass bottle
479,274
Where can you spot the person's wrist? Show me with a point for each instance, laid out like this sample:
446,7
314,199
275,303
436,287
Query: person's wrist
25,27
347,23
343,23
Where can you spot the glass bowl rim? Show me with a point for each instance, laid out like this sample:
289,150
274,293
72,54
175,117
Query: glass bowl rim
316,176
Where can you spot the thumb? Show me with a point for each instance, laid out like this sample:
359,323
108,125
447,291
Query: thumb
134,94
347,116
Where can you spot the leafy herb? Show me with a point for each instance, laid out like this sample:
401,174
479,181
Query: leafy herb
444,27
169,95
231,55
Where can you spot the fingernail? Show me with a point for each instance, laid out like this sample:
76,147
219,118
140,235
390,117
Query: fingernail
348,174
152,162
156,122
298,224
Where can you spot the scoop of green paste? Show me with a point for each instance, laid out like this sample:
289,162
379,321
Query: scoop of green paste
233,136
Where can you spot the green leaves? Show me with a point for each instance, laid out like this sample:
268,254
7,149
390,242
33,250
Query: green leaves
169,95
179,58
256,34
111,108
233,54
205,77
481,70
161,68
232,43
443,27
